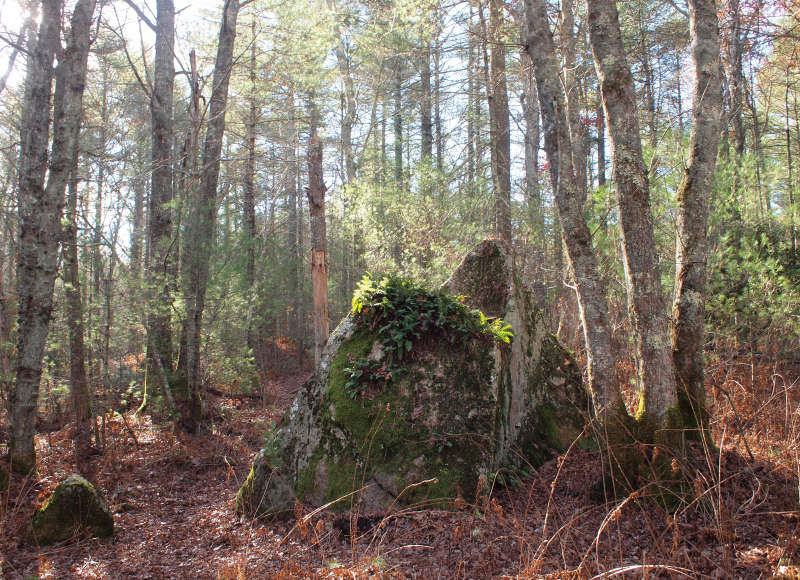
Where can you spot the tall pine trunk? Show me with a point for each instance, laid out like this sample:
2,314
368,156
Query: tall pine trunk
161,256
200,231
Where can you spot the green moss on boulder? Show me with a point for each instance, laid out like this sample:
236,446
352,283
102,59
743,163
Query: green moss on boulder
417,395
74,506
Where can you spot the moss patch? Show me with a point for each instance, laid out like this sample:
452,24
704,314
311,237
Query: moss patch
74,505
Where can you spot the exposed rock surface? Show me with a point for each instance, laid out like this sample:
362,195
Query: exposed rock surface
74,506
461,405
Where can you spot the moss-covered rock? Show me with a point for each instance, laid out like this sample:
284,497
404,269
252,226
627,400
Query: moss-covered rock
74,506
413,406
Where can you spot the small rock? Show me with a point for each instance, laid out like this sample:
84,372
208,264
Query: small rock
74,505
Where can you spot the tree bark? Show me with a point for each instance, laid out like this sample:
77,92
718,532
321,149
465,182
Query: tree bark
161,253
501,130
249,201
40,206
397,119
589,286
577,131
202,224
736,78
530,111
319,259
425,106
78,379
655,367
693,201
293,229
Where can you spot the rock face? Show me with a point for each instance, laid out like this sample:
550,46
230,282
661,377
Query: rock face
74,505
417,397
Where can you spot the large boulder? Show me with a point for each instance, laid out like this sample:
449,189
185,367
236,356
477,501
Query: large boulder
74,506
419,395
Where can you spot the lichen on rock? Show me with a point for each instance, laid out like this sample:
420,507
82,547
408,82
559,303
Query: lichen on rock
74,506
420,393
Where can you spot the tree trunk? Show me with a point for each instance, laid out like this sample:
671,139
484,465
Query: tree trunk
601,142
319,259
501,130
577,238
40,206
425,107
736,77
577,132
161,251
349,96
656,370
78,380
249,201
437,95
397,116
471,112
293,230
693,196
202,224
530,110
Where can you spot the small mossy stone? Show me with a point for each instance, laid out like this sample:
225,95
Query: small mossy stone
74,505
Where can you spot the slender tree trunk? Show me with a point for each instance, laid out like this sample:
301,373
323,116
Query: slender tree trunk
293,230
160,243
501,130
349,97
201,227
319,259
426,105
656,370
437,95
530,110
40,206
577,132
601,141
471,110
249,201
649,78
577,238
78,379
137,226
688,332
789,167
397,116
736,79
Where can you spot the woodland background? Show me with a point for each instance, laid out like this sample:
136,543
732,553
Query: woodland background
398,98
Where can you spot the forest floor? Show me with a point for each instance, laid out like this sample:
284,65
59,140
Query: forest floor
172,496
